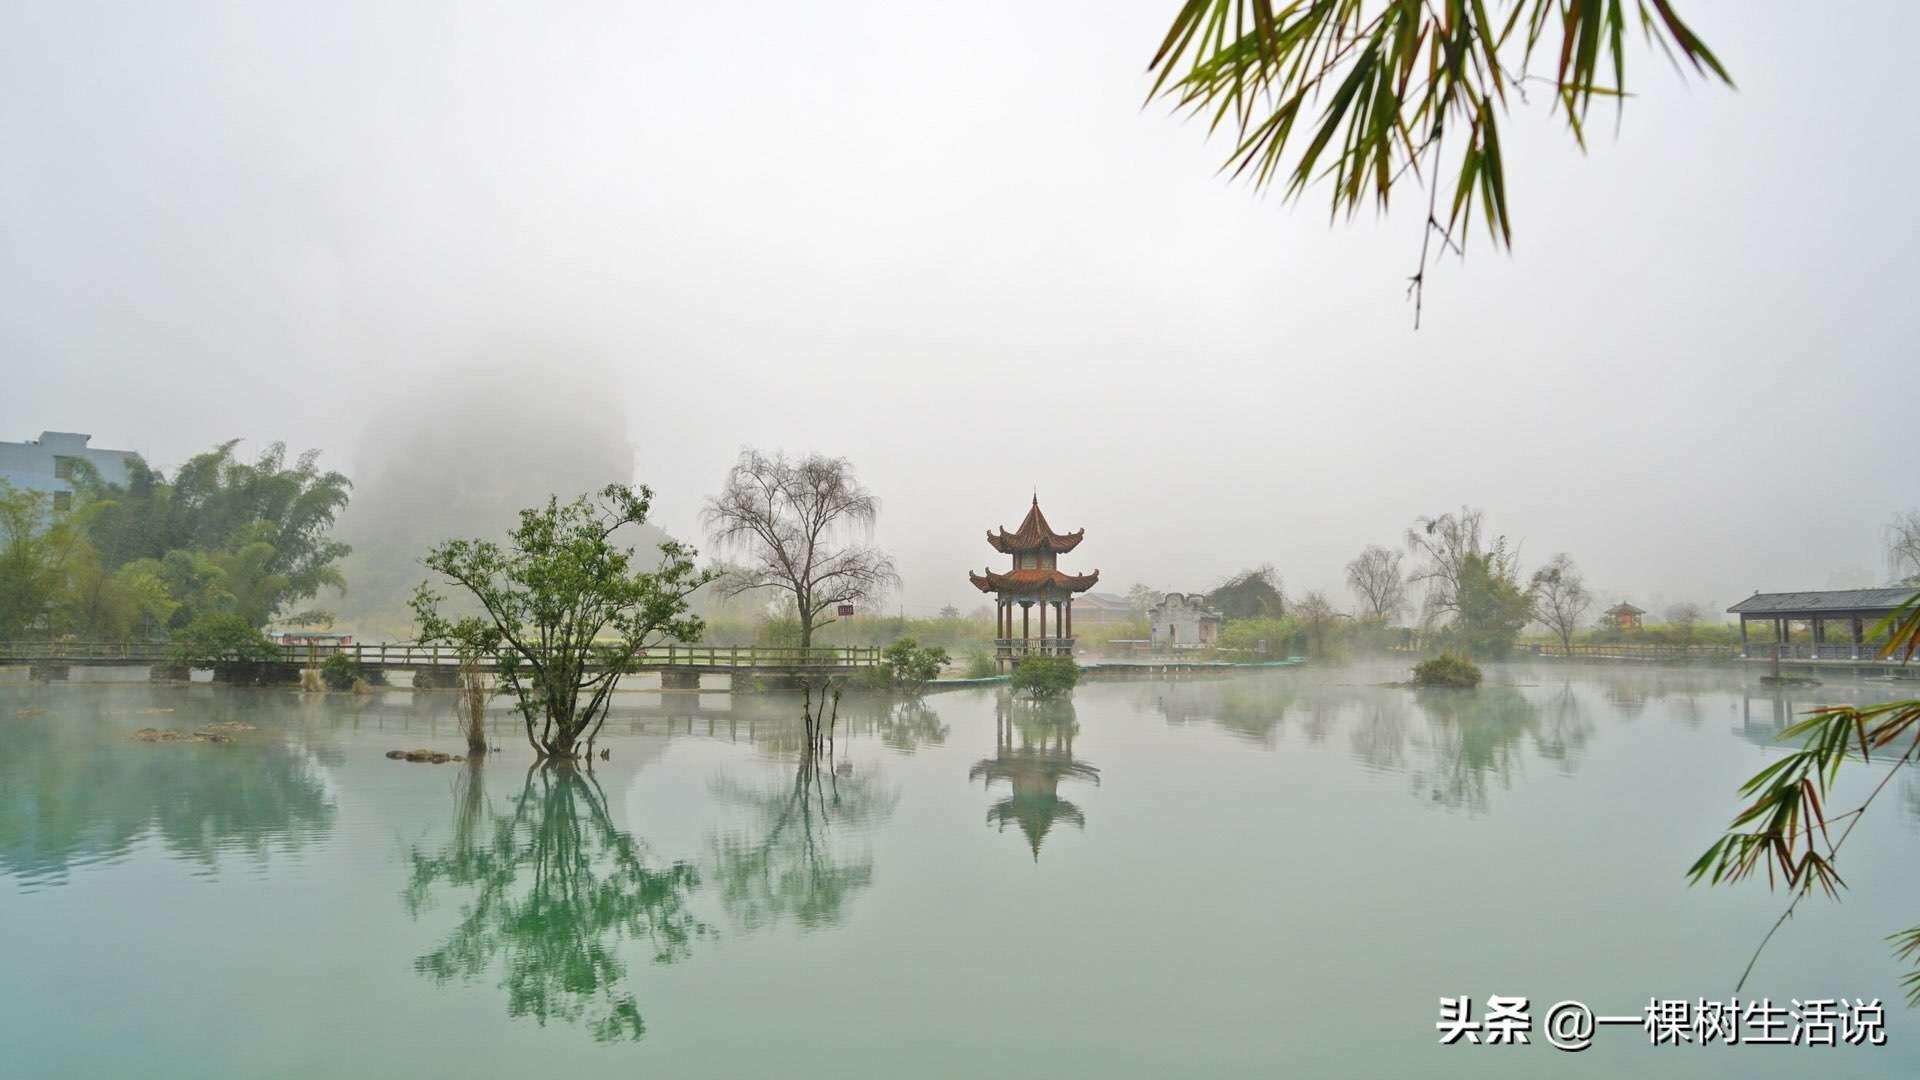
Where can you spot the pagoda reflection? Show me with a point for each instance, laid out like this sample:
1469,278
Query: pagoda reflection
1034,768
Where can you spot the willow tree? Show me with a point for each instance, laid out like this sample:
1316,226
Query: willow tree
565,611
1367,94
801,528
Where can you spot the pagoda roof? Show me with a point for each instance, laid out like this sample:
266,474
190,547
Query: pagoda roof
1034,534
1032,580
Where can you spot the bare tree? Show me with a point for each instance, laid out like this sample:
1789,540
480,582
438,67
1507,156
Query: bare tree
1142,598
1903,547
1444,544
800,526
1375,578
1561,598
1684,617
1317,618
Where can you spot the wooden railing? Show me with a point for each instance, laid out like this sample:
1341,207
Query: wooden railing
407,654
1806,650
1039,646
1633,650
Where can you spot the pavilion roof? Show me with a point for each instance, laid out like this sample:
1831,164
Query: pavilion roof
1034,534
1624,608
1032,580
1829,600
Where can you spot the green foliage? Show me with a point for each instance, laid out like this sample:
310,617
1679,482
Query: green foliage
221,638
981,666
1247,634
339,671
1788,830
564,610
1360,93
39,549
1250,594
1045,676
1447,669
1491,607
250,538
1092,636
904,665
139,559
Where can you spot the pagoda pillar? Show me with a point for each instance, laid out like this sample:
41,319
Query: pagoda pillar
1026,611
1069,618
1043,624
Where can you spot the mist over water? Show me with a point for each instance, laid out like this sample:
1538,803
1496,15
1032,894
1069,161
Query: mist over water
958,252
458,451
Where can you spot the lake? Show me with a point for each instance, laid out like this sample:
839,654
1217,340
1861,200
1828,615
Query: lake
1255,875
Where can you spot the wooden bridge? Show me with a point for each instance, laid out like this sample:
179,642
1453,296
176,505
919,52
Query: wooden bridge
679,666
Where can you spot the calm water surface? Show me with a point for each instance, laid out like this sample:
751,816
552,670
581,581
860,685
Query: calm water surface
1264,875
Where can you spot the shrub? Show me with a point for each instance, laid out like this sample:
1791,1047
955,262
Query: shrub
981,666
1447,669
1247,634
903,665
1045,676
220,639
339,671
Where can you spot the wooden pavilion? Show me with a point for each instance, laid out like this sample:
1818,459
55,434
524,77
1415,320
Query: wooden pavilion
1034,579
1624,615
1855,609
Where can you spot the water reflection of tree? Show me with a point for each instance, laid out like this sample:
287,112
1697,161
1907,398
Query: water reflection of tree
903,723
910,724
1475,737
1034,768
1252,710
789,863
556,891
72,790
1380,732
1564,728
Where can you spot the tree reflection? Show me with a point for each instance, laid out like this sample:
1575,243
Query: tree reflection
74,790
1565,728
557,890
1475,739
1035,768
908,724
1251,711
789,865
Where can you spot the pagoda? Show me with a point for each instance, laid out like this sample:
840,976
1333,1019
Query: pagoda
1033,579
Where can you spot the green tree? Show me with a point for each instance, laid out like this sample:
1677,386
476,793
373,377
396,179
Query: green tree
1250,594
1492,607
265,525
906,665
1369,93
40,548
115,605
564,610
1044,677
221,638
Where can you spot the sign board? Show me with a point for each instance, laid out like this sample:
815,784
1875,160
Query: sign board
846,610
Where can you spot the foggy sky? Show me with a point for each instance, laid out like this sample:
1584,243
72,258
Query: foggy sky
949,244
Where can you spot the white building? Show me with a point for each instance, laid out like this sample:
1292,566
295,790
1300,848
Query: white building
1181,620
50,463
